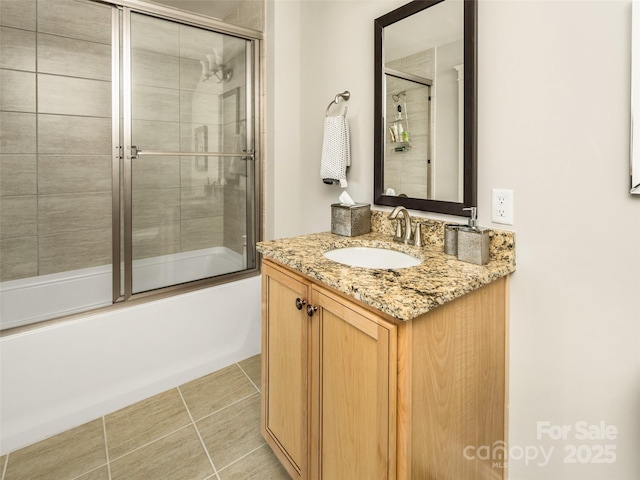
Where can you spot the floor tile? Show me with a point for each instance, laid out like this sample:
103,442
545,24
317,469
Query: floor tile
64,456
101,473
180,456
145,421
261,464
156,439
233,432
217,390
252,366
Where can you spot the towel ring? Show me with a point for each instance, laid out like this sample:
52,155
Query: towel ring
344,95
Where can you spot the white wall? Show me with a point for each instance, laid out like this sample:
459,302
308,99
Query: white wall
553,126
283,169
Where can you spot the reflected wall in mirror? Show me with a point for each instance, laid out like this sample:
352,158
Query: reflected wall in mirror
635,99
425,106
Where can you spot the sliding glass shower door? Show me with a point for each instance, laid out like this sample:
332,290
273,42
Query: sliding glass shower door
128,154
190,96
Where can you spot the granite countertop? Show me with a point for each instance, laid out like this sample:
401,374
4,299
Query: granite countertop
404,293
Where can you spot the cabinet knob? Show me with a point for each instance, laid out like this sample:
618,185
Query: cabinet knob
300,303
311,309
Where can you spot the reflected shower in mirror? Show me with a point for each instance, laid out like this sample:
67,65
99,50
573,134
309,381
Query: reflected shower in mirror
409,130
426,106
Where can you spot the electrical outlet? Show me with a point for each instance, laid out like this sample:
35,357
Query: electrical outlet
502,206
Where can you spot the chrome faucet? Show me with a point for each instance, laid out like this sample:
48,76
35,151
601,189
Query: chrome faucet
404,233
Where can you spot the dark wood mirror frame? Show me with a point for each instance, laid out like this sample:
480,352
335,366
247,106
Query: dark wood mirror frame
470,113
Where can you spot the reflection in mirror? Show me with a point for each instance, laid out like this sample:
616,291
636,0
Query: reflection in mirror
425,107
428,164
407,153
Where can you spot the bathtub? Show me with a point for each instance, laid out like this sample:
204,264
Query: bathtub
30,300
61,375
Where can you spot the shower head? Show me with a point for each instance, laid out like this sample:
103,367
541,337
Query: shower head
397,96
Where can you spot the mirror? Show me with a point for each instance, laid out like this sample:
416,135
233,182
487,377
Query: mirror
635,99
425,106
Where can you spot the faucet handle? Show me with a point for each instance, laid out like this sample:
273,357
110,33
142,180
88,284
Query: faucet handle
417,236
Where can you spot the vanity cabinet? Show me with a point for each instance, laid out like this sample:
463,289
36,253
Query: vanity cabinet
327,371
348,393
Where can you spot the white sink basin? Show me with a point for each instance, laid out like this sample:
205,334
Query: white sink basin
370,257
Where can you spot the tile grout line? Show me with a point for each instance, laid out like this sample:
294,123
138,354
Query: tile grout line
92,470
6,464
106,452
227,406
106,446
248,377
215,470
151,442
264,444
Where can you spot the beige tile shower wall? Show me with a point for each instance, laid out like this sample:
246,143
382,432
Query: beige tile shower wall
55,186
17,48
73,57
17,91
155,126
18,170
78,19
18,14
175,208
74,135
55,192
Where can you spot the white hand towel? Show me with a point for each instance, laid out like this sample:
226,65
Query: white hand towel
336,152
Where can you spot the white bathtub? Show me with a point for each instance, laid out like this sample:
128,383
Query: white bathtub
64,374
30,300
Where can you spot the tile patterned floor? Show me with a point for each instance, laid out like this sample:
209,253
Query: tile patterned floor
207,429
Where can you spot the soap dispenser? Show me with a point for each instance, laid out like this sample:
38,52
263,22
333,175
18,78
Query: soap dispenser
473,241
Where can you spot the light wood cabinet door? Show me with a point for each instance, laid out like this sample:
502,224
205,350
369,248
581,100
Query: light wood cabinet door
285,339
353,392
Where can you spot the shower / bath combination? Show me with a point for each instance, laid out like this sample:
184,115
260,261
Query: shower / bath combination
107,175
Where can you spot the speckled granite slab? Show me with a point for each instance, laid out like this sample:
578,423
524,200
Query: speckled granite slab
404,293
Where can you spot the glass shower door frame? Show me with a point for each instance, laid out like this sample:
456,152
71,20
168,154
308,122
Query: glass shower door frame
116,156
125,152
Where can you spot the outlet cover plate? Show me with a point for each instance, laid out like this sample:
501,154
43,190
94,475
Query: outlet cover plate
502,206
